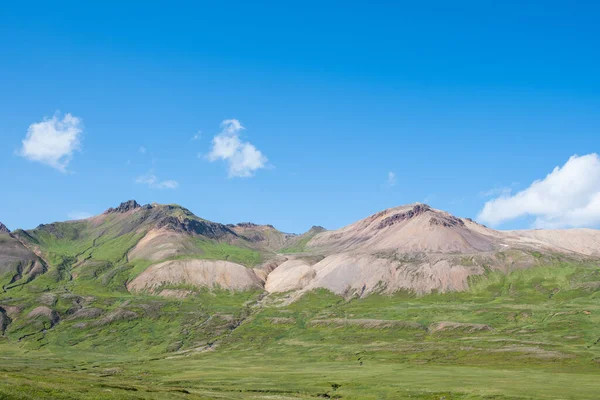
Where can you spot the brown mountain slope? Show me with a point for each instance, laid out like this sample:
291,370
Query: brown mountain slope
18,264
127,241
413,228
581,241
262,236
422,249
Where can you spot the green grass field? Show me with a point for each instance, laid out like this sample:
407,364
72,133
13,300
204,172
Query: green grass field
532,334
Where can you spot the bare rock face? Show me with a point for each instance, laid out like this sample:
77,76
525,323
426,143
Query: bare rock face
415,211
124,207
448,221
244,225
3,228
209,229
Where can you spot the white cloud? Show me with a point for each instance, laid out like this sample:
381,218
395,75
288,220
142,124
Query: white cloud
569,196
391,179
74,215
154,183
497,191
242,157
142,150
197,136
53,141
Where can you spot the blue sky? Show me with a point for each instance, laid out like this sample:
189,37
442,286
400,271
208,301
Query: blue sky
467,104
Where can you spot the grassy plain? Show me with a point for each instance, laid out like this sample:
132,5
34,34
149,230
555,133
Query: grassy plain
531,334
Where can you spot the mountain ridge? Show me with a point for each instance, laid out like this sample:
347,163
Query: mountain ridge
413,247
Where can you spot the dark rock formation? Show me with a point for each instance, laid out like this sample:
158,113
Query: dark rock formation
416,210
3,228
125,207
4,321
209,229
446,221
247,225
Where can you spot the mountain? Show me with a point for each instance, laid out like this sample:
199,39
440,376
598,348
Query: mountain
159,249
421,249
144,247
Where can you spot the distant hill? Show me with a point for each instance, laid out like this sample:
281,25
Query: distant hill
154,247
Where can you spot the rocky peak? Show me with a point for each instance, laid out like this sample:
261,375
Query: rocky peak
124,207
249,225
3,228
418,209
246,225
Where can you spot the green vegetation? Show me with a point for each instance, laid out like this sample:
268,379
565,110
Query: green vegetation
212,250
299,244
531,334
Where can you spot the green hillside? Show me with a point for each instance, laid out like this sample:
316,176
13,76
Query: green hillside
536,328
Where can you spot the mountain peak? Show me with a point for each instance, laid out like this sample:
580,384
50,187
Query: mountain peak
416,210
125,207
3,228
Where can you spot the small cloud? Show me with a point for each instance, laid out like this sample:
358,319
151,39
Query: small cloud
142,150
53,141
75,215
197,136
243,158
391,179
154,183
497,191
569,196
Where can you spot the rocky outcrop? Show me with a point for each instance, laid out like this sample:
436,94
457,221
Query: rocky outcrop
394,219
124,207
446,221
4,321
209,229
3,228
243,225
